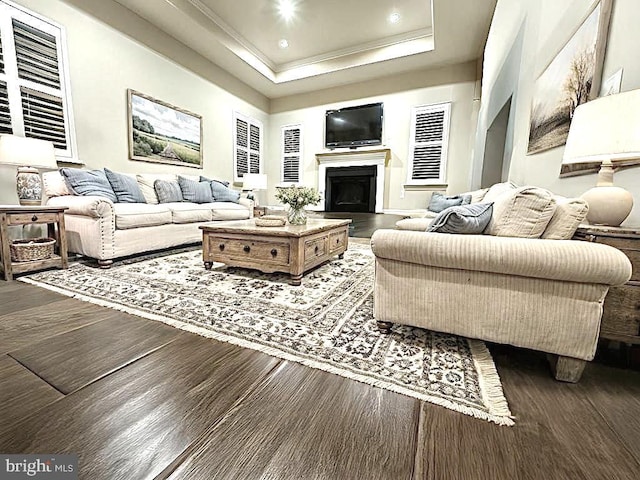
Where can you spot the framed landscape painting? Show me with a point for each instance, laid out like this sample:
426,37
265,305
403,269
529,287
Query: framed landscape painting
162,133
572,78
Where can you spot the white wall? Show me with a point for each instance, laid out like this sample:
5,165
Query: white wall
103,64
399,94
525,36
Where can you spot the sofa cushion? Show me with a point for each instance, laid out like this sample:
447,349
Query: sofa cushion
222,193
468,219
54,184
195,191
498,189
125,187
440,202
168,191
88,182
187,212
569,214
522,212
134,215
146,182
228,211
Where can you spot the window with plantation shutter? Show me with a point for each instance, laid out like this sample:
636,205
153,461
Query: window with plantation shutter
34,89
428,144
247,146
291,154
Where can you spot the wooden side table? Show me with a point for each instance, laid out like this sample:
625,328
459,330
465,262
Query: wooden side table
621,315
11,215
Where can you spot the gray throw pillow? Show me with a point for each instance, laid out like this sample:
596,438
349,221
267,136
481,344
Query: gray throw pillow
472,219
168,191
196,192
205,179
126,188
222,193
439,202
88,182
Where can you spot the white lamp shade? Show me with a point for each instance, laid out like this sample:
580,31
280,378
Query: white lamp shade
23,151
254,181
605,128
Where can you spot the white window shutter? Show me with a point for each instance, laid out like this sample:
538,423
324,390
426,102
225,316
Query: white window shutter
291,154
34,85
247,146
5,115
429,144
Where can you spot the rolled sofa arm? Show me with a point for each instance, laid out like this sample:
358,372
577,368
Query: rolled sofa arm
567,260
90,206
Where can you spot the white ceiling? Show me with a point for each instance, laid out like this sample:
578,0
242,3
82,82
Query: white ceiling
331,42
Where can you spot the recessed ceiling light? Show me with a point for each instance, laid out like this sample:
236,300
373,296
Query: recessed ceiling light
286,8
394,17
283,43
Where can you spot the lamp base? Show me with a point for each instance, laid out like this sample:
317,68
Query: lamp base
29,186
608,205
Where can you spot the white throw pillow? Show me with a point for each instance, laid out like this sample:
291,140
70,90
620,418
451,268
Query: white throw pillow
477,195
498,189
524,212
146,184
54,184
569,214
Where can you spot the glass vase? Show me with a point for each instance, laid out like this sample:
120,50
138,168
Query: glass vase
297,216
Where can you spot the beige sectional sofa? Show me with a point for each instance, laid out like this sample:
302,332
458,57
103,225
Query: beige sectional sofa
544,292
105,230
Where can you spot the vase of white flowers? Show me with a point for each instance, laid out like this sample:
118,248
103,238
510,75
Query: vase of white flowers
296,198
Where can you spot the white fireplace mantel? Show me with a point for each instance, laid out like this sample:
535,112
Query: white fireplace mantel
357,158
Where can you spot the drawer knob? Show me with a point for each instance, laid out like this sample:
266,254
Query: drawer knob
316,249
337,240
34,218
274,252
221,246
247,248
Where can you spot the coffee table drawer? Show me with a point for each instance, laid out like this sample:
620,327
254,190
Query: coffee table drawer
315,249
221,248
337,241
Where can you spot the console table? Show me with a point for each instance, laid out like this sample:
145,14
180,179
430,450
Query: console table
53,217
621,315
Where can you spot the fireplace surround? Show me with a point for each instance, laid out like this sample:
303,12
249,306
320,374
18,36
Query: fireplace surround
376,158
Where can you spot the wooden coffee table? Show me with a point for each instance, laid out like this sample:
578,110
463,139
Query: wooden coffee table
293,249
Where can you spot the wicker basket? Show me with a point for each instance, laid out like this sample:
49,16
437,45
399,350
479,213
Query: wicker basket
270,221
31,249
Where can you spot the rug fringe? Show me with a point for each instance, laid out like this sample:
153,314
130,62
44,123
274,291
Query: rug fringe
490,386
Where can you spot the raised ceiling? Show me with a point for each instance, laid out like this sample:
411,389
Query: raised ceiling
330,42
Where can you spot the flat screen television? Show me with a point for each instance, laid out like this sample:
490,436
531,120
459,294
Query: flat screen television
353,126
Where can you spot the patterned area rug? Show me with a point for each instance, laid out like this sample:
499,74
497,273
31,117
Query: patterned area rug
326,323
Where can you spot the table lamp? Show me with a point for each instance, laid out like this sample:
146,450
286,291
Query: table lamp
606,130
254,182
28,154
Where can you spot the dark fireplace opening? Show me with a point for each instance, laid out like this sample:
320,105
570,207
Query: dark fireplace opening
351,189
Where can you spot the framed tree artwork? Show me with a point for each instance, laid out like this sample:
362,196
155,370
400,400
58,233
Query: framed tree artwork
572,78
162,133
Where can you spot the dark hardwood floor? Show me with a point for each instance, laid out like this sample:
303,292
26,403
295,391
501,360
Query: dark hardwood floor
136,399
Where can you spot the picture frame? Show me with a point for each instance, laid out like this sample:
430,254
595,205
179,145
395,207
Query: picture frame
612,85
162,133
571,78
